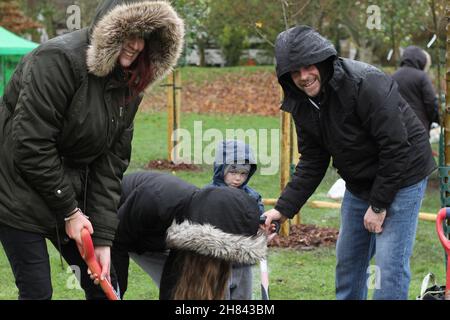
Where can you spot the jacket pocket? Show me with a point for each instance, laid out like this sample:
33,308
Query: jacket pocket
75,178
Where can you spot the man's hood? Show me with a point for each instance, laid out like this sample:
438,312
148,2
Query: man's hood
116,20
229,152
414,57
299,47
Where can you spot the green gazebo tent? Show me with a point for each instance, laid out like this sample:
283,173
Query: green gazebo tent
12,48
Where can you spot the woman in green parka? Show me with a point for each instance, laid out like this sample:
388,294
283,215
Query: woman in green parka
66,124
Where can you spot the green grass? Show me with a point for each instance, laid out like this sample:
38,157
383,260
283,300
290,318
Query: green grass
293,274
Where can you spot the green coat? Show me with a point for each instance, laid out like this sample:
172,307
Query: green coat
66,120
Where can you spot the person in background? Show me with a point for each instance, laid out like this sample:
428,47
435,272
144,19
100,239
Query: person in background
415,86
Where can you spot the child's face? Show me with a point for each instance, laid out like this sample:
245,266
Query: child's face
234,178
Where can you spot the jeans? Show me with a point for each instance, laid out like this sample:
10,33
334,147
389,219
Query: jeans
240,283
28,256
392,248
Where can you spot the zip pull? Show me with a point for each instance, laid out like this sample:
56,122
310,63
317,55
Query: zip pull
314,104
120,112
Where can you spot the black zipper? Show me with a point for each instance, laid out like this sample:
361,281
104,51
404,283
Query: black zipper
318,110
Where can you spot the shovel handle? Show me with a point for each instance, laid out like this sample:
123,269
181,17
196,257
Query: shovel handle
444,214
88,254
262,220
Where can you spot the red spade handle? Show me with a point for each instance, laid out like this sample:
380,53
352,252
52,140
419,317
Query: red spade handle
444,214
88,254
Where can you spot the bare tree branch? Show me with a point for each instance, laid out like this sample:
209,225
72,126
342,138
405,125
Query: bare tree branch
284,4
262,35
301,9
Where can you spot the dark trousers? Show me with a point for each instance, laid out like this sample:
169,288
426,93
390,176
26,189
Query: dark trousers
28,256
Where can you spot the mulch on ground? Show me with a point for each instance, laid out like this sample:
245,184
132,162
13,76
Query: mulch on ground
169,165
256,93
307,237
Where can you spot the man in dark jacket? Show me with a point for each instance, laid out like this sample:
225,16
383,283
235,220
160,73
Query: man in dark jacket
66,122
161,215
415,86
353,113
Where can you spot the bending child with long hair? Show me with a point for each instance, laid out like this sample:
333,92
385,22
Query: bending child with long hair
184,237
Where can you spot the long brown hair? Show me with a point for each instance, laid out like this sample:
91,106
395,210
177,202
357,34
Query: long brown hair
140,72
202,277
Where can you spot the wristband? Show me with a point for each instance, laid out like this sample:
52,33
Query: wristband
72,215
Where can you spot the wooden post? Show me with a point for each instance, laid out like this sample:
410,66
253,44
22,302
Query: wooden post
285,159
173,111
294,160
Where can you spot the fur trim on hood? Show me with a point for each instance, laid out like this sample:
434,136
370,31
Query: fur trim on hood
207,240
163,28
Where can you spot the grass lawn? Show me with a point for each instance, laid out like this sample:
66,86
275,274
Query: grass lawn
293,274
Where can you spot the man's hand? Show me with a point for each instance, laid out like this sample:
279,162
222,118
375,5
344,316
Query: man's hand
373,221
103,256
272,215
74,226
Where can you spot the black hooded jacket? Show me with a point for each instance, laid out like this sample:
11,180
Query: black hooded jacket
415,86
377,143
160,211
149,203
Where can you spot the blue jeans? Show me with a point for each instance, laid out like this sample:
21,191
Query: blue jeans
240,283
392,248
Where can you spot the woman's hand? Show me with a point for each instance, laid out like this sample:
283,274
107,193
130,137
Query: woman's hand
75,224
103,255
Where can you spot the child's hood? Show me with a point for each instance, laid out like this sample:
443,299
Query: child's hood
229,152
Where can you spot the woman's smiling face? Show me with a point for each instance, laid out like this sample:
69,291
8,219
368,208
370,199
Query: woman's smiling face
130,50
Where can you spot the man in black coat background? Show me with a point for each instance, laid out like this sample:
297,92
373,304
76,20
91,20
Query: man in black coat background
415,86
352,113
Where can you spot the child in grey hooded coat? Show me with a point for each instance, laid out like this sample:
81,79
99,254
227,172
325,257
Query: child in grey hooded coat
234,165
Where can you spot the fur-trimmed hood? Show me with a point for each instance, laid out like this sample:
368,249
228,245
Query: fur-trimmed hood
116,20
205,239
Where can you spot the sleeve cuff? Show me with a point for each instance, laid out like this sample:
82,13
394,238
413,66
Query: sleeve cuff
101,242
287,212
379,204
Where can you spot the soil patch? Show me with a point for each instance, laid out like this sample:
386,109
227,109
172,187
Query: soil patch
307,237
169,165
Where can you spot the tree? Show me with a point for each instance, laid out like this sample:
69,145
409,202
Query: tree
435,23
13,18
195,14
